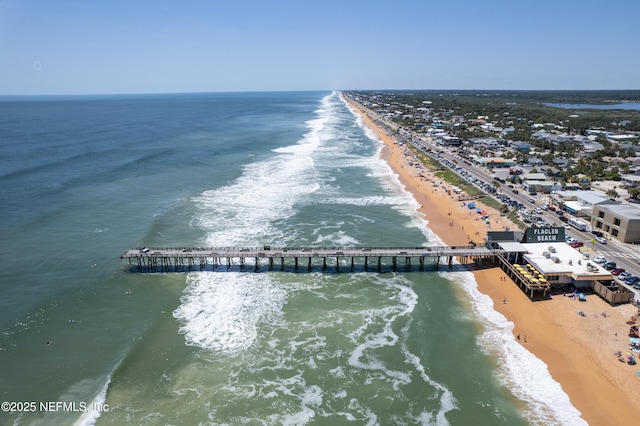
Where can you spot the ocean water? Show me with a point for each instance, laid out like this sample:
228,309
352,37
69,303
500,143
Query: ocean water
85,340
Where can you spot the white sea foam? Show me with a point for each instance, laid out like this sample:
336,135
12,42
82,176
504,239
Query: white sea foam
91,415
526,376
229,213
374,200
363,356
222,312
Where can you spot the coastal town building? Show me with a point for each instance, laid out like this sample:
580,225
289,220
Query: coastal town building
621,138
630,181
580,203
446,140
492,161
542,263
543,186
620,221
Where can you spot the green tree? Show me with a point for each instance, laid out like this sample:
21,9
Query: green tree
634,192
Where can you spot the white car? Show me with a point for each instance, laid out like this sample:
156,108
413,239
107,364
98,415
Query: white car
601,240
599,259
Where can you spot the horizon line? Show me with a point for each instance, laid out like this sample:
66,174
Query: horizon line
303,90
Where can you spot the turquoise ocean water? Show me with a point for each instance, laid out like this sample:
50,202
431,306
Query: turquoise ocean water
85,178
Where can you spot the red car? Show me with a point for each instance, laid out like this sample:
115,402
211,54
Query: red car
577,244
617,271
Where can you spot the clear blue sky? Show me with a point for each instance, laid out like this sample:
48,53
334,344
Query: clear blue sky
84,46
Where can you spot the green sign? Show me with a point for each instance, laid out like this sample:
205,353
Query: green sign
545,235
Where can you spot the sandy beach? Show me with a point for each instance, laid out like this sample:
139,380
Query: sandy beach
580,352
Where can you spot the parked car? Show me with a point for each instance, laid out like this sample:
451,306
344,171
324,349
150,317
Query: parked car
563,219
597,233
623,276
553,209
601,240
600,259
577,244
609,266
632,280
617,271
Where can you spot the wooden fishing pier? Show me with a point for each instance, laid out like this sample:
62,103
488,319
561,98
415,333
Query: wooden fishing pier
148,259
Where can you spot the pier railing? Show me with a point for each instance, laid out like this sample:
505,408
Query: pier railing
174,259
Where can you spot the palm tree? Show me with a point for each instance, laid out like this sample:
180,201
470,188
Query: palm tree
612,193
634,192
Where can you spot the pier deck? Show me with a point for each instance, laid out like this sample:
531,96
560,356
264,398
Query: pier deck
181,259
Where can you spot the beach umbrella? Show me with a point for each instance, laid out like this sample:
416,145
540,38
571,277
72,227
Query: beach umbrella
630,358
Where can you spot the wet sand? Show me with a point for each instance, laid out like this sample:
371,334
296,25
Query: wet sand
579,351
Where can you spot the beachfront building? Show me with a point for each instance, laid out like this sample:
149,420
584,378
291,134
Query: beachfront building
620,221
580,203
447,140
561,265
543,186
492,161
542,263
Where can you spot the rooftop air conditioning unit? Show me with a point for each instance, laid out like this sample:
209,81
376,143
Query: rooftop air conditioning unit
552,249
555,259
546,254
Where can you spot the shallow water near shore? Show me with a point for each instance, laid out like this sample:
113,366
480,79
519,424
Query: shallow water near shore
88,178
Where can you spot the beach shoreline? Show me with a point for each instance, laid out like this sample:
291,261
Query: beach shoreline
579,351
